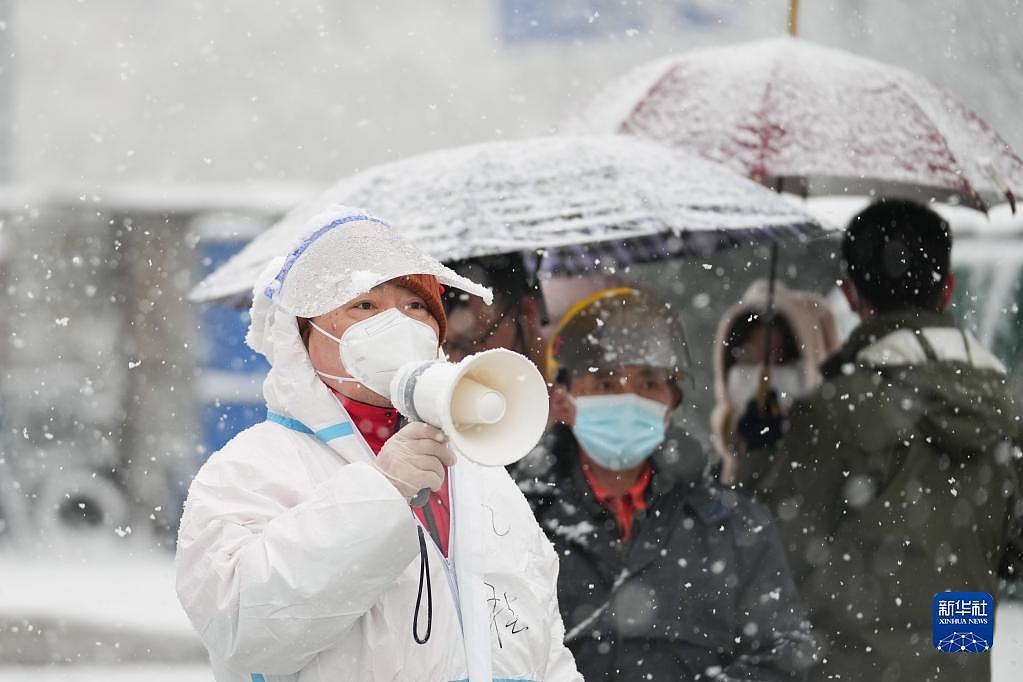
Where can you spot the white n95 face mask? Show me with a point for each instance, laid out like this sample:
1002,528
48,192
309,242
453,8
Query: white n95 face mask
372,350
743,382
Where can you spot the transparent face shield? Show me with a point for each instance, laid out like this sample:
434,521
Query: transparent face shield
621,327
345,254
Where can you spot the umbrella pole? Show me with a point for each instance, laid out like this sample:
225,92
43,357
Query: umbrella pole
533,262
793,18
765,379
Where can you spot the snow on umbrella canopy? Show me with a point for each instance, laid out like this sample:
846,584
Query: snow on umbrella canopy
788,109
634,199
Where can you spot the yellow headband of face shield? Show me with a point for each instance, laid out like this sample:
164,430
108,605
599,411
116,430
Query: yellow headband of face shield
553,349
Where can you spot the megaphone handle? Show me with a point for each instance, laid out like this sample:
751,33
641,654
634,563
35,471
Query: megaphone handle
421,498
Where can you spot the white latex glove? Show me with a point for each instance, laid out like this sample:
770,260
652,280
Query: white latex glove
414,458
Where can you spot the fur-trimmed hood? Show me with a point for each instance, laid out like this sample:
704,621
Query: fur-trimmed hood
811,321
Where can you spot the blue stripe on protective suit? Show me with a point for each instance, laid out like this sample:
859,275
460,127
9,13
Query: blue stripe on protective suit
301,248
325,434
258,677
335,431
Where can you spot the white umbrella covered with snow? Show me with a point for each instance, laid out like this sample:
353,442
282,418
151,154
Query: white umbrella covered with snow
788,110
575,199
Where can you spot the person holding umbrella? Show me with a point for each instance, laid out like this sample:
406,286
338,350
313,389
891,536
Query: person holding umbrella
900,477
664,574
792,332
297,553
514,319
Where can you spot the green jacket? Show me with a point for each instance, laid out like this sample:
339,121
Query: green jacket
899,478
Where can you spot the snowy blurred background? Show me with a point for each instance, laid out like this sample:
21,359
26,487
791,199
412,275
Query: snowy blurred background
141,144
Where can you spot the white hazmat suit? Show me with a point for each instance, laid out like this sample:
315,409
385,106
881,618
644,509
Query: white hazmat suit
298,560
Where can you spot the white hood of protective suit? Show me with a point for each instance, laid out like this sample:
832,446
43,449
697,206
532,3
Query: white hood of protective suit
342,254
298,560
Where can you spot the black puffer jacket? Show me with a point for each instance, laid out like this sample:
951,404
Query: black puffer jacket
701,590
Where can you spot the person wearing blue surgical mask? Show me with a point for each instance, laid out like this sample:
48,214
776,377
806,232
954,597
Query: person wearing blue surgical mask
620,419
663,572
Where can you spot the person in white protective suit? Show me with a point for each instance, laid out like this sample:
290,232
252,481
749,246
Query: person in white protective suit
299,556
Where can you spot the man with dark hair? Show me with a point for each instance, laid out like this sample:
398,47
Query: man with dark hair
512,322
897,255
899,477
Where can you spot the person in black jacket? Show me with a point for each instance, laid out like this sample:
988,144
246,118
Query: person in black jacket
664,575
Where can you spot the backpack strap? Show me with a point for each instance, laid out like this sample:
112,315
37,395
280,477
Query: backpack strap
925,345
966,346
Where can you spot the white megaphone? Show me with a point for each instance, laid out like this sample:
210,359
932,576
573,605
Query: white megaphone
492,405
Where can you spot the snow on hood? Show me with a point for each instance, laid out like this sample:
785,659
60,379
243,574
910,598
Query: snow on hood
342,253
346,252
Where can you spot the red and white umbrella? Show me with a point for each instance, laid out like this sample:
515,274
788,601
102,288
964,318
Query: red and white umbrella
791,111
